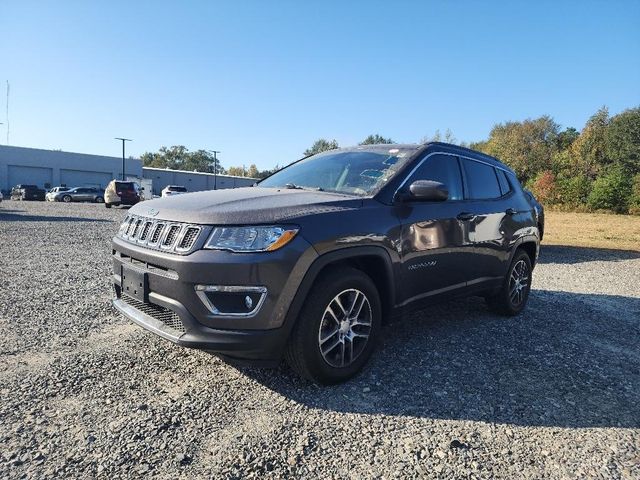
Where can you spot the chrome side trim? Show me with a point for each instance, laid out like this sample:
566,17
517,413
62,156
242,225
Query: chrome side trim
202,289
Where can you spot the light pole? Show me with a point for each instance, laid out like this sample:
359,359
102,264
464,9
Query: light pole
215,167
123,140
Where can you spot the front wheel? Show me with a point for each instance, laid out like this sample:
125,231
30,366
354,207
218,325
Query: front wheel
99,199
108,205
337,330
66,199
514,293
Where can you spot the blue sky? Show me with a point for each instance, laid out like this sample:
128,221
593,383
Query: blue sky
260,81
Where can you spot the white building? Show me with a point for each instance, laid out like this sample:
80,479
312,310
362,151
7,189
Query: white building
50,168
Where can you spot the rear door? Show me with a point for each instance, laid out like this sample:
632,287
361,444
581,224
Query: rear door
490,224
435,247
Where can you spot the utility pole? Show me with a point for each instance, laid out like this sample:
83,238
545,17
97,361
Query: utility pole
123,140
215,167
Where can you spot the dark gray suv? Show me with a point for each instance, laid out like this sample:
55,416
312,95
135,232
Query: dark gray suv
310,262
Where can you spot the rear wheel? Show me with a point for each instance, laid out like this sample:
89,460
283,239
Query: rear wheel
108,205
337,329
99,199
514,293
66,198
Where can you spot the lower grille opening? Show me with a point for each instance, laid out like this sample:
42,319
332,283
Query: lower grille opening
162,314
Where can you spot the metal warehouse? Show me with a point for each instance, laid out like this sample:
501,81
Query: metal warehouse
49,168
193,181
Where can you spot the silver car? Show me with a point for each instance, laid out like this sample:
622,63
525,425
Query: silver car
51,194
80,194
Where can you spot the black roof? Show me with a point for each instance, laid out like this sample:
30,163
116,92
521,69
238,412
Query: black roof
442,146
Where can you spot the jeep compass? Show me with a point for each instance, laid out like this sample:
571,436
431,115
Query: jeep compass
309,263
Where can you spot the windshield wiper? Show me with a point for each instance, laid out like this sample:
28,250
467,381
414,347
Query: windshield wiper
293,186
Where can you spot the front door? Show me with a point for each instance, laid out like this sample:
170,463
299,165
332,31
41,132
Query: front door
435,246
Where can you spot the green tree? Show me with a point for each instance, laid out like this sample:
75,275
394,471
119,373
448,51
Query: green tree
321,145
253,171
527,146
375,140
573,190
612,191
634,199
236,171
448,137
588,151
178,157
623,140
566,138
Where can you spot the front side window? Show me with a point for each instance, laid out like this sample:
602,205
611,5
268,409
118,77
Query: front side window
356,172
443,169
482,181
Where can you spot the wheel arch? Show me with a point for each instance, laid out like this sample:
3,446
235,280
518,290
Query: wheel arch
373,261
530,246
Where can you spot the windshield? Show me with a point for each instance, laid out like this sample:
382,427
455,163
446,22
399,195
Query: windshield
355,172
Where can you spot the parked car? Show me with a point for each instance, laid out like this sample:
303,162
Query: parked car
1,197
173,190
310,262
80,194
121,193
50,196
27,192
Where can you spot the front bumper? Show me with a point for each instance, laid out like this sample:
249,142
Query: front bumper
176,312
262,347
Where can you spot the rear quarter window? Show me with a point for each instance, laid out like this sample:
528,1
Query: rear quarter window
505,186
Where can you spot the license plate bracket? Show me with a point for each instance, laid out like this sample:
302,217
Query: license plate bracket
135,283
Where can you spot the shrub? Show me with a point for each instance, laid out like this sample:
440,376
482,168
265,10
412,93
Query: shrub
545,187
574,191
634,199
611,191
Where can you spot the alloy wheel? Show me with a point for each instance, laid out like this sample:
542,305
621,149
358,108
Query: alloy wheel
345,328
518,282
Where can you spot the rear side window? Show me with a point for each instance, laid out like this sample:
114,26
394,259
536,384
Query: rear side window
482,181
505,187
443,169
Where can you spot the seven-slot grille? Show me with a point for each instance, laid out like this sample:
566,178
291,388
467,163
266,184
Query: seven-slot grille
168,236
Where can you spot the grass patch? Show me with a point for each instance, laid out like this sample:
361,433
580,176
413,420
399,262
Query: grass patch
597,230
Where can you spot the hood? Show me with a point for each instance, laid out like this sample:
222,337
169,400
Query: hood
244,206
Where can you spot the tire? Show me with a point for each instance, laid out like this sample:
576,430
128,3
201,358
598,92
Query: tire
514,293
66,199
99,200
107,205
340,339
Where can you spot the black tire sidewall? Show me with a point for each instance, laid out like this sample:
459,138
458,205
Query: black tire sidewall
514,310
320,296
66,199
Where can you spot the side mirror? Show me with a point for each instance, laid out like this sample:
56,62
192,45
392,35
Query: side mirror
426,191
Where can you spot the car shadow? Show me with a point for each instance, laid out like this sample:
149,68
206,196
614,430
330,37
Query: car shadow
561,254
569,360
18,216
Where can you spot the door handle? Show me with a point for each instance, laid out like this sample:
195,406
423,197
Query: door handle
511,211
465,216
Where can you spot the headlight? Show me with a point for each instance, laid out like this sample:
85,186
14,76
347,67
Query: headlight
250,239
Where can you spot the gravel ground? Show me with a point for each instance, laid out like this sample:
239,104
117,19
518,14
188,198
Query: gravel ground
454,392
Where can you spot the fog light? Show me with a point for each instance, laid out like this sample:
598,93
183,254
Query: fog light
232,301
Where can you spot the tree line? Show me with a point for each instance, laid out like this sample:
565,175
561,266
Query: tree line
596,168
